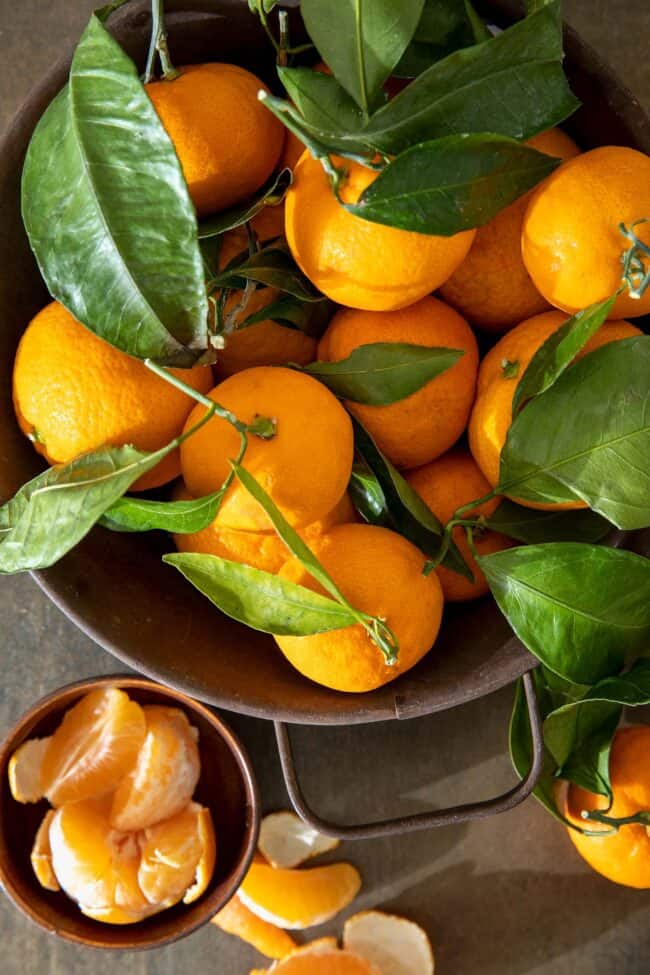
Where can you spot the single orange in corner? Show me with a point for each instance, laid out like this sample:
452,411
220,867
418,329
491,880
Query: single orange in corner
425,424
572,244
380,573
445,485
228,144
305,466
356,262
74,392
492,288
498,377
624,856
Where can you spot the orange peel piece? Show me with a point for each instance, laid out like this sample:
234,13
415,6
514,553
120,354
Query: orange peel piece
395,945
286,841
297,899
41,855
270,940
25,770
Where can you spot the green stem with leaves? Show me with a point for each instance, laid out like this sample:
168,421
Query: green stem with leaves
635,260
595,816
158,43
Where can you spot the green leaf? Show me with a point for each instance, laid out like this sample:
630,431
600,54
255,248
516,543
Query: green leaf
272,267
558,352
108,213
361,41
368,497
259,599
512,84
129,514
452,184
52,513
479,30
324,105
581,609
405,511
383,372
576,735
270,195
310,317
588,437
532,526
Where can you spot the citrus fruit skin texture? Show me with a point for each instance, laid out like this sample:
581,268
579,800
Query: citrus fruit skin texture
73,392
623,857
305,466
492,414
425,424
226,141
353,261
571,242
261,550
380,573
334,962
270,940
267,343
445,485
492,287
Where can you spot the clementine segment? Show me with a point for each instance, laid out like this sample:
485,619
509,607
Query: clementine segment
416,429
445,485
380,573
177,857
571,241
228,144
270,940
298,899
41,855
73,392
356,262
298,466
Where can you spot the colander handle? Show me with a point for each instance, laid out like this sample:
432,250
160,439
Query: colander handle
425,820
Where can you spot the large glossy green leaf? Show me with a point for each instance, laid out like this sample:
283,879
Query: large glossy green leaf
588,437
583,610
271,194
368,497
512,84
324,105
310,317
272,267
52,513
452,184
108,213
361,40
532,526
133,514
259,599
383,372
445,26
558,352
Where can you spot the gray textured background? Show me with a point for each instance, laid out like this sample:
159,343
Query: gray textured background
503,897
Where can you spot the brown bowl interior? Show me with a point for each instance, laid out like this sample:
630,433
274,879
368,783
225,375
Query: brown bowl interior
114,586
226,787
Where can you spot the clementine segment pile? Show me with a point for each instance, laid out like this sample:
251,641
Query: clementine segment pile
124,839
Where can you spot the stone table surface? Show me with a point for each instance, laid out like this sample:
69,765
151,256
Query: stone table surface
506,896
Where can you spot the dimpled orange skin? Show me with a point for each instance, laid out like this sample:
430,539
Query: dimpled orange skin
623,857
571,242
492,414
75,393
267,343
425,424
261,550
492,287
379,572
305,466
445,485
228,144
353,261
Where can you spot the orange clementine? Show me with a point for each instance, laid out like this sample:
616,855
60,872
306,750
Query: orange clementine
261,550
305,467
163,778
270,940
445,485
73,392
623,857
228,144
571,242
492,287
492,414
93,748
354,261
422,426
380,573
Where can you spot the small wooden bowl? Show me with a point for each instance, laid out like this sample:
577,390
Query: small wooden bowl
227,787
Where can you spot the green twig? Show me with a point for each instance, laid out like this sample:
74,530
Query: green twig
635,260
638,819
158,43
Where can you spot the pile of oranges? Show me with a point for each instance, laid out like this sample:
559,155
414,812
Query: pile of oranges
517,279
123,839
